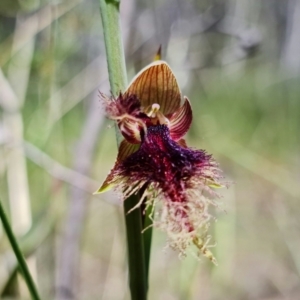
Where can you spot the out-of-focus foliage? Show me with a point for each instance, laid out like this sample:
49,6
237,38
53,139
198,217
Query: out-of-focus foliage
238,62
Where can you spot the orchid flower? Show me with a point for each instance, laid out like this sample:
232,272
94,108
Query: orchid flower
178,181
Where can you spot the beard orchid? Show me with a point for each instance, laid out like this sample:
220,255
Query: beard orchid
178,181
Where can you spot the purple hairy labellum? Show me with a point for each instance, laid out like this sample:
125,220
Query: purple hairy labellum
178,181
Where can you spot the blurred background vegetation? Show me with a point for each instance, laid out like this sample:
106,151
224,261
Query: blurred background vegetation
239,63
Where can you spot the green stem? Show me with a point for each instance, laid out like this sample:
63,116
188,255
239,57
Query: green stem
135,245
109,10
118,81
22,263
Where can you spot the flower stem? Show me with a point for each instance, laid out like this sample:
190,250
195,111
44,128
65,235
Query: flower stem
136,255
22,263
118,80
109,10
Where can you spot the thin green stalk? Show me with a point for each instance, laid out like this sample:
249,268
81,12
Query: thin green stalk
138,283
118,81
109,10
22,263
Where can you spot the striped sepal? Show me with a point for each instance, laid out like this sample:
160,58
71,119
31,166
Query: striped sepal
181,120
111,180
156,83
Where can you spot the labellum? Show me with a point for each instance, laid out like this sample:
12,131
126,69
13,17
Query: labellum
179,182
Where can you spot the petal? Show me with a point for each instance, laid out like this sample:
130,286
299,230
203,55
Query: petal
182,143
156,83
181,120
130,128
111,180
126,149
